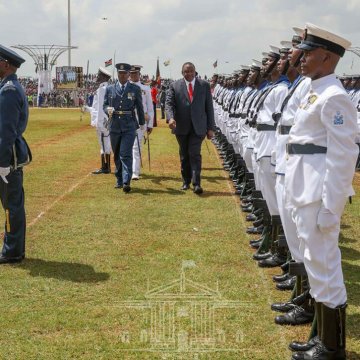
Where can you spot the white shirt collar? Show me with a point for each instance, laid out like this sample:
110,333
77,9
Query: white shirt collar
192,83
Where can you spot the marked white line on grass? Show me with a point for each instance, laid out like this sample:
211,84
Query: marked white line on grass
259,270
61,197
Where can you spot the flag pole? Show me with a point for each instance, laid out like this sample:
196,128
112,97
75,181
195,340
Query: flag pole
114,65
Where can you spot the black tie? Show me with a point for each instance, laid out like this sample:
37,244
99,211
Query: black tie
122,89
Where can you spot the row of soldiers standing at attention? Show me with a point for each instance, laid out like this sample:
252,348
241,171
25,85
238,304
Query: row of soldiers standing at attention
287,129
122,113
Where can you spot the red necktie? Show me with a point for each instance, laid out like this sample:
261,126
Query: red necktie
190,92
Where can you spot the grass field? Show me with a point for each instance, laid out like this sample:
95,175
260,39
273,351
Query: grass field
154,274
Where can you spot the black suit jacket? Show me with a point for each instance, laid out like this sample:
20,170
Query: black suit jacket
199,113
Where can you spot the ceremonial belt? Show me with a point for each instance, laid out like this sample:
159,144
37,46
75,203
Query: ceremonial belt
284,129
300,149
265,127
123,112
243,115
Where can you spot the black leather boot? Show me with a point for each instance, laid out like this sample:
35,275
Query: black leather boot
315,333
103,168
108,163
332,336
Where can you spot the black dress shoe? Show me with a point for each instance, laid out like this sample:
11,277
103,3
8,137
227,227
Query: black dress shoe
297,316
198,190
248,209
261,256
304,346
251,217
126,188
101,171
255,244
287,284
282,277
318,352
273,261
185,187
118,185
283,307
255,230
287,306
11,260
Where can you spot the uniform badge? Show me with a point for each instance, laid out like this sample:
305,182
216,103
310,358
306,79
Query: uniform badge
130,96
311,99
338,118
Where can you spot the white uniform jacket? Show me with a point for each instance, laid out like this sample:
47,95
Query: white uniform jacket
287,119
327,118
96,111
147,103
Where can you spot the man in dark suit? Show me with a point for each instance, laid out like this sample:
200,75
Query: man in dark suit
189,109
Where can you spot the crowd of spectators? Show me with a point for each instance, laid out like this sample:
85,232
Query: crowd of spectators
71,98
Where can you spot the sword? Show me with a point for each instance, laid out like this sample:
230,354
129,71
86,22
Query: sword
103,147
148,145
138,144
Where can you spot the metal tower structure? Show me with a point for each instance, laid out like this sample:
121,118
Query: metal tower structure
355,50
44,57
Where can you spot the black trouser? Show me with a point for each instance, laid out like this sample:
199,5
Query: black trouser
155,119
13,199
162,106
190,157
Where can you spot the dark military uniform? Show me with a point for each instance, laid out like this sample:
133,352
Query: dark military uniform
123,126
14,153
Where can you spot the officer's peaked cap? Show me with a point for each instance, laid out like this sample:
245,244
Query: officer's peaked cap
11,56
104,72
135,68
123,67
316,37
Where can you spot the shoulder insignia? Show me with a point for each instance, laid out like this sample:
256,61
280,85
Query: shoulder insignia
338,118
310,100
9,86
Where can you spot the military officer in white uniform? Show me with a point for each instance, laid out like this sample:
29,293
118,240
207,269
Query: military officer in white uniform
149,119
98,119
318,179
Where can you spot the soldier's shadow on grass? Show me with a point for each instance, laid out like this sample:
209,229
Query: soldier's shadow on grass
348,253
345,240
67,271
352,282
169,191
353,330
160,178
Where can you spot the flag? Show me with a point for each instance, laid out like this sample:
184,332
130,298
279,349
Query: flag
108,63
167,62
158,78
215,64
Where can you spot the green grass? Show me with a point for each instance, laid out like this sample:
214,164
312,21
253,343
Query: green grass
93,252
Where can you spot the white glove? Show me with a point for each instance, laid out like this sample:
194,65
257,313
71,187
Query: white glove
4,171
142,127
110,110
326,220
